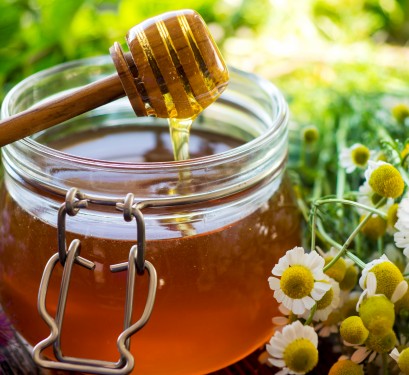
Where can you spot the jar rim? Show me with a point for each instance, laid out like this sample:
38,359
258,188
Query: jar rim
268,87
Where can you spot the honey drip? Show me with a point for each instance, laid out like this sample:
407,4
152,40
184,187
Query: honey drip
179,135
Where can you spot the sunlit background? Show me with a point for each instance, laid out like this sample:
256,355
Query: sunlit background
301,45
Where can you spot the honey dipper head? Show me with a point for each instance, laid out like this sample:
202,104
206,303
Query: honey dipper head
174,68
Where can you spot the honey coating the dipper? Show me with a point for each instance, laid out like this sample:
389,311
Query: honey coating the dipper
174,68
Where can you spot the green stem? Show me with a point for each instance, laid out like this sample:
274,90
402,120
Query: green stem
379,242
351,237
356,260
312,312
374,210
326,237
313,226
303,208
341,175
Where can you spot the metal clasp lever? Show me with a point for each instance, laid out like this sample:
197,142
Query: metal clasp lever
126,362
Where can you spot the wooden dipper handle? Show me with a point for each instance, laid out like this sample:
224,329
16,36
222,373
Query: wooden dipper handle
174,70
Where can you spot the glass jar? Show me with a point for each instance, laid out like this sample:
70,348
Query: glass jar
213,251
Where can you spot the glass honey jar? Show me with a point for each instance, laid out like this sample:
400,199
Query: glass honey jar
215,224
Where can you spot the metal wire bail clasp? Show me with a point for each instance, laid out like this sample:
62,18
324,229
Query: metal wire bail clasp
136,264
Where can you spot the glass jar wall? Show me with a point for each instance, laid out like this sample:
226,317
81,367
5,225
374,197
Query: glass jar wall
213,252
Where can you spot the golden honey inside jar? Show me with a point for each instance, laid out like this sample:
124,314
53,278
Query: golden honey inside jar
213,253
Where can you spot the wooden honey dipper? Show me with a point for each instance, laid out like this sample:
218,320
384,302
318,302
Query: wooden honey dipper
173,70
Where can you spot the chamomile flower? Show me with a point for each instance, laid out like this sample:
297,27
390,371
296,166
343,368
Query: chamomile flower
338,269
392,217
281,321
374,345
368,197
384,179
400,112
346,367
353,157
294,349
402,359
388,279
353,330
330,325
377,314
374,228
310,134
298,284
401,237
351,276
328,303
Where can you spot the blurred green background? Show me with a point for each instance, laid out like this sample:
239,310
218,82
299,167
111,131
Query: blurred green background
301,45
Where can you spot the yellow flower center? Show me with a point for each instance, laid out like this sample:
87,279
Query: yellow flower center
311,134
374,228
381,343
388,276
400,112
377,314
337,270
403,361
300,355
352,330
346,367
392,215
350,279
360,155
387,181
297,282
326,300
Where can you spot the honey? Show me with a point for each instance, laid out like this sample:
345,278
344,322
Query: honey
213,257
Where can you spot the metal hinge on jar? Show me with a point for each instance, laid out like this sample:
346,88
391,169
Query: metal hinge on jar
136,264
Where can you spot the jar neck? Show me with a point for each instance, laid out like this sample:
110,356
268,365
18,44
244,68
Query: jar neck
251,109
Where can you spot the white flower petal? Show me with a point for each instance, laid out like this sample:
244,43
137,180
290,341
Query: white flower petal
395,354
280,267
290,332
361,298
279,295
284,371
274,351
359,355
399,291
277,362
298,307
296,256
274,283
283,310
315,261
372,356
371,284
280,320
288,302
308,302
310,334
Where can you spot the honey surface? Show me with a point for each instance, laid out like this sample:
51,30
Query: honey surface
213,303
